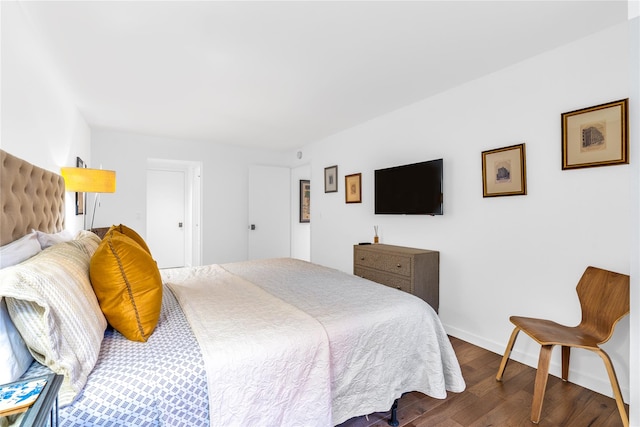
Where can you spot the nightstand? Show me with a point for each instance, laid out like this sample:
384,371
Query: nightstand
100,232
44,411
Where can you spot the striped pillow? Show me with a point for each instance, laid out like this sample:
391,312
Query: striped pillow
52,304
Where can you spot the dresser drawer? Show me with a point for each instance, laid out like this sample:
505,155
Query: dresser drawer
412,270
384,278
392,263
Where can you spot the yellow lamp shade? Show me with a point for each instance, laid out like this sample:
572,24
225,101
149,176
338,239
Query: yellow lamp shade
86,180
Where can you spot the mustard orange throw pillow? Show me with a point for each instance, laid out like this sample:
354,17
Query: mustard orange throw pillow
130,233
128,286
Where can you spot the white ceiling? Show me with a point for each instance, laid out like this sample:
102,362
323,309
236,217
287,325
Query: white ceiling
281,74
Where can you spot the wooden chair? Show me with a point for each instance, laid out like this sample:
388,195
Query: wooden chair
604,299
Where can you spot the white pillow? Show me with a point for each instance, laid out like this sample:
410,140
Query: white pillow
52,304
14,354
15,358
50,239
19,250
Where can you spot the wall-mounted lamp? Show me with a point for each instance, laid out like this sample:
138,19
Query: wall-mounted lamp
86,180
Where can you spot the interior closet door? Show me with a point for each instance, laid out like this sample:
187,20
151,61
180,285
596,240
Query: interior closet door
269,225
166,214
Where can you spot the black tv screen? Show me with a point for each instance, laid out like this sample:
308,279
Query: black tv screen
414,189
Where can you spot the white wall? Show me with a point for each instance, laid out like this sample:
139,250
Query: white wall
224,186
39,121
507,255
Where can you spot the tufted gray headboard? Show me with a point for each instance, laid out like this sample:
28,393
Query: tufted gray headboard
30,198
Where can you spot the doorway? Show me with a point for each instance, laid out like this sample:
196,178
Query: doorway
174,212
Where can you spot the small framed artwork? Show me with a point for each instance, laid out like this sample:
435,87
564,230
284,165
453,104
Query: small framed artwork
305,200
353,188
80,196
504,171
331,179
596,136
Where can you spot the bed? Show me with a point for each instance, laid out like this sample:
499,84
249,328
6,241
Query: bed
267,342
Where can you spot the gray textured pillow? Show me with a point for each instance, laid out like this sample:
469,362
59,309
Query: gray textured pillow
50,239
19,250
52,304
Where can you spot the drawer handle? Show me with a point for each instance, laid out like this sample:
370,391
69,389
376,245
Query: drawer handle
398,287
399,266
361,258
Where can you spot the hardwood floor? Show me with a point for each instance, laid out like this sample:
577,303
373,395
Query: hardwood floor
487,402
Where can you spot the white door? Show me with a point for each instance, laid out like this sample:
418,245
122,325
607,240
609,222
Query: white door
269,212
166,214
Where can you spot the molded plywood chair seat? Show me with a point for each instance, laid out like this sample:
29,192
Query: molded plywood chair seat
604,299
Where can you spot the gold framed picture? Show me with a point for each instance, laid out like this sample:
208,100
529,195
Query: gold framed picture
504,171
596,136
305,200
353,188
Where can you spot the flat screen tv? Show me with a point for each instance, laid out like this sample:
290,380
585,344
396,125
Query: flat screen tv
414,189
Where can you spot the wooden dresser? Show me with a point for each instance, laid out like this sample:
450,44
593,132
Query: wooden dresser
416,271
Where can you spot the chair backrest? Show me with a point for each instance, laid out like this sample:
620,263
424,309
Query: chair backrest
604,298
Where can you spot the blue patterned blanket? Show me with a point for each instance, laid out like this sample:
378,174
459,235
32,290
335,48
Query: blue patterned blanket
162,382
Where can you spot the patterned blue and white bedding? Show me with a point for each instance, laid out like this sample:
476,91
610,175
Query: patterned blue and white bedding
158,383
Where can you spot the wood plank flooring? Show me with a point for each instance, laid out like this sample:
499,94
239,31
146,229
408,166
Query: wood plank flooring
487,402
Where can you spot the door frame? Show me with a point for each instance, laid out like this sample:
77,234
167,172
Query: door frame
193,203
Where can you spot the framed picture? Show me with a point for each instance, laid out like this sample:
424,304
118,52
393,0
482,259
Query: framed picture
331,179
596,136
305,200
353,188
504,172
80,196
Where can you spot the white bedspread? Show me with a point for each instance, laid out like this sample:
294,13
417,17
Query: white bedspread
283,320
383,341
266,361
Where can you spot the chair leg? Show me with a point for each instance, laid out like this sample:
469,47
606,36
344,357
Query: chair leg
541,382
615,386
566,355
507,353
